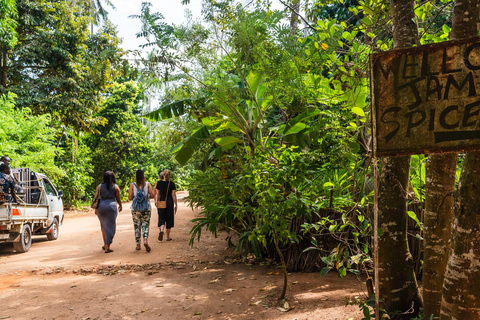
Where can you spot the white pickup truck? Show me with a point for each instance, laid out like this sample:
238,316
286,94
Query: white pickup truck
39,211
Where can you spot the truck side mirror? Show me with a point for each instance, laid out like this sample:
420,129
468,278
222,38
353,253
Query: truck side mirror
60,193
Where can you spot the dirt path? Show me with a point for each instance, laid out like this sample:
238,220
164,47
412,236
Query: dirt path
72,278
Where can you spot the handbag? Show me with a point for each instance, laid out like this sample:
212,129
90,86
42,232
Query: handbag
163,204
95,203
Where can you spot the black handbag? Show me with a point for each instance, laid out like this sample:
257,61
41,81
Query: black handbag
95,203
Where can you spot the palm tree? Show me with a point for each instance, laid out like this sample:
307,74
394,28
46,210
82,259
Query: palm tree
95,9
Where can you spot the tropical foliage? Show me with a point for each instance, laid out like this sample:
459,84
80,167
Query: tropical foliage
265,124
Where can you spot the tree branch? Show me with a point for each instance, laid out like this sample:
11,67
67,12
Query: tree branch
298,14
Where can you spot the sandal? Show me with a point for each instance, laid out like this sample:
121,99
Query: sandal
169,239
108,251
147,247
160,236
138,247
103,248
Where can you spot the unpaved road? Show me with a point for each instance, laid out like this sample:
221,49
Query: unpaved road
72,278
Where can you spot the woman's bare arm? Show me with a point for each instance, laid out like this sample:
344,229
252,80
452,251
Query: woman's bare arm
174,195
130,192
117,196
150,191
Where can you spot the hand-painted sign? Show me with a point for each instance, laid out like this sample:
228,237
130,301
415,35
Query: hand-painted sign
426,99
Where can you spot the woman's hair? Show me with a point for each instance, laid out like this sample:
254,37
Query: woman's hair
166,174
160,174
3,166
109,178
140,177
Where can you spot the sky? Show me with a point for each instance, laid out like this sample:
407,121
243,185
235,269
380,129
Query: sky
172,10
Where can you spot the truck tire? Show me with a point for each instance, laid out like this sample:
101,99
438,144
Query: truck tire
53,235
25,240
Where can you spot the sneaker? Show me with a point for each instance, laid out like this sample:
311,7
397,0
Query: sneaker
160,236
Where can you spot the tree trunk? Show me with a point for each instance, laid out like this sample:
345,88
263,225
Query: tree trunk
460,286
398,285
439,201
439,206
294,19
3,67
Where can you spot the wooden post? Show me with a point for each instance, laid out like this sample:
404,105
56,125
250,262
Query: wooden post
375,238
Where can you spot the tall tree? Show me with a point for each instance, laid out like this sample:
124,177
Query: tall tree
460,288
8,35
439,197
94,9
438,219
57,67
398,285
121,145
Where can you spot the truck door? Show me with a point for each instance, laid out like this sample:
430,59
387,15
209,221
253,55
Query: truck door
54,201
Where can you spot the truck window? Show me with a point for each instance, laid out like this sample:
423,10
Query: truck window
49,189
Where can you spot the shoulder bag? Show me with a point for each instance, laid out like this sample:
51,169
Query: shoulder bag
163,204
95,202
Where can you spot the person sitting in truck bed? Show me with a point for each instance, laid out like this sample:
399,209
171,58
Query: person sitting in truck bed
5,160
7,184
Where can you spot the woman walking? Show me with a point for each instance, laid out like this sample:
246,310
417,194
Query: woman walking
141,192
107,212
166,191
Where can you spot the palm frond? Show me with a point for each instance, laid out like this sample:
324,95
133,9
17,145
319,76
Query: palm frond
170,110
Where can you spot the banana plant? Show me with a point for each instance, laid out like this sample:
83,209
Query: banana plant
235,124
240,123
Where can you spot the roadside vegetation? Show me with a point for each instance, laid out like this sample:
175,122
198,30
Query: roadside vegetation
263,115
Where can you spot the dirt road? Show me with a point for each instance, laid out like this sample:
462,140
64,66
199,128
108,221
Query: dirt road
72,278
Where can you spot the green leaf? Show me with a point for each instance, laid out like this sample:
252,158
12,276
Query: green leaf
301,117
328,184
227,142
347,35
208,121
191,144
446,29
296,128
167,111
228,125
358,111
412,215
221,101
266,102
366,313
253,80
325,271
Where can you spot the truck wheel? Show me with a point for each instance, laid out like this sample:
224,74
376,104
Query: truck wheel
25,240
53,235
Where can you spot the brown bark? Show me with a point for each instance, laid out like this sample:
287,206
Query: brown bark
405,29
460,286
294,18
439,200
398,285
439,206
3,67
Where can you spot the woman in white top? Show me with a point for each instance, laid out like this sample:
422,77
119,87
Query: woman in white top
141,192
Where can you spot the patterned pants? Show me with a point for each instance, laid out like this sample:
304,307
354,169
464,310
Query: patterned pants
141,223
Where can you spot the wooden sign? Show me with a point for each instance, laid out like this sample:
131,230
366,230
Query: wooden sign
426,99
